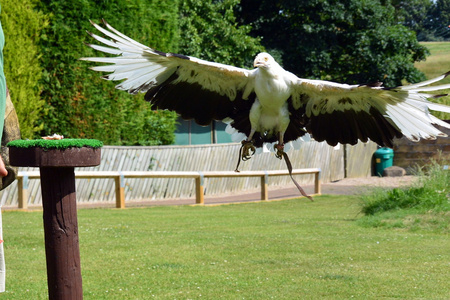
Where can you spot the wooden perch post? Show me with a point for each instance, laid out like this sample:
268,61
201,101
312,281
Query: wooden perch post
56,167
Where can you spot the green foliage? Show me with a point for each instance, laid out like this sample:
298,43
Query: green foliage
145,123
158,124
428,18
437,21
56,144
432,192
415,197
21,57
347,41
79,103
412,13
209,31
431,197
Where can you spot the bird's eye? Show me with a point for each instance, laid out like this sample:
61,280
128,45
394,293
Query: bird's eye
266,58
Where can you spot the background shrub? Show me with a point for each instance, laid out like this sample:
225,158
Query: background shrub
79,103
22,66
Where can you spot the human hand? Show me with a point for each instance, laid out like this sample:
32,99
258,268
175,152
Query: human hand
3,171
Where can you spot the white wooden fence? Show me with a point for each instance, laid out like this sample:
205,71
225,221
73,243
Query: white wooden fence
24,177
201,158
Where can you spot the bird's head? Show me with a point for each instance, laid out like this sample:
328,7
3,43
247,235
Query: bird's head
264,60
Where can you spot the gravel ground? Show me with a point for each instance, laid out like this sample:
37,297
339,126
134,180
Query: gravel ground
375,181
354,186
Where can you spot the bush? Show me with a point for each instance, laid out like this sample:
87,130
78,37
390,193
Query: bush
424,206
431,193
21,56
79,103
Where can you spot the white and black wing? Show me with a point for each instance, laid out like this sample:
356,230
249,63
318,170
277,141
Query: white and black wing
341,113
194,88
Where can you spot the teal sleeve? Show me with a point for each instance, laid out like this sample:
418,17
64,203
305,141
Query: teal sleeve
2,82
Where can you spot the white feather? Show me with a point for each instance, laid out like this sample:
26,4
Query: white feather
121,68
143,72
121,38
424,83
430,88
117,60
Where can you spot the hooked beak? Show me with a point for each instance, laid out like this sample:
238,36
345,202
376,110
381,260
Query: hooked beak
258,63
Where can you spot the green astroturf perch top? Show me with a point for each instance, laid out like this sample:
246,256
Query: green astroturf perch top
56,144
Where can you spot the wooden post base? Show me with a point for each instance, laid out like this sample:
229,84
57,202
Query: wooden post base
57,168
61,233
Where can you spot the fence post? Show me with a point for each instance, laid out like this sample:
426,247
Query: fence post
22,191
199,189
317,176
120,190
265,186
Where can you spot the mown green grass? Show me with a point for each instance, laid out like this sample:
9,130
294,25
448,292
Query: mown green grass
435,65
439,60
292,249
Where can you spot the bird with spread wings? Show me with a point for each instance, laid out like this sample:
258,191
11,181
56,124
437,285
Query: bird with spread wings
268,105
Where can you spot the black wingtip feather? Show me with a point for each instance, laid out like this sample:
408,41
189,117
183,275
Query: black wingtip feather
90,33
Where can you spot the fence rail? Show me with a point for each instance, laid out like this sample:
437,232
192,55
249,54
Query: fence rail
335,163
23,178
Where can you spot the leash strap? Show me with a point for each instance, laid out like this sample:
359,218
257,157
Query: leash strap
289,167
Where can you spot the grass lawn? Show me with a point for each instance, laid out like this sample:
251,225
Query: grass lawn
293,249
439,60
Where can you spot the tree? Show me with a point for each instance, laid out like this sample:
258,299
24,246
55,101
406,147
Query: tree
429,19
348,41
412,13
438,19
209,30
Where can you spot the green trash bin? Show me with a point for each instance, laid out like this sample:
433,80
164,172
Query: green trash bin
384,158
